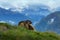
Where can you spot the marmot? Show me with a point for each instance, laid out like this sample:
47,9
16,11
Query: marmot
27,24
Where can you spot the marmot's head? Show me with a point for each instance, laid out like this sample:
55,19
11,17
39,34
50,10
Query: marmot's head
28,22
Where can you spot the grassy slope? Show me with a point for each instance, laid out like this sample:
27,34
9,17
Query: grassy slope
19,33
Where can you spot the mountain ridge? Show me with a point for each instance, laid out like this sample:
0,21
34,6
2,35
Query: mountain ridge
50,23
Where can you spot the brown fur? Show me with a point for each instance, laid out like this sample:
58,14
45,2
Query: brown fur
26,24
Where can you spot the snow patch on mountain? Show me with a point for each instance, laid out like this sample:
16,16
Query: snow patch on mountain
51,21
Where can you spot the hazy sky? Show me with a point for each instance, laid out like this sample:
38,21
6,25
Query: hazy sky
25,3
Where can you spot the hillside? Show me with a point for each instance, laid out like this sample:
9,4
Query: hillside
19,33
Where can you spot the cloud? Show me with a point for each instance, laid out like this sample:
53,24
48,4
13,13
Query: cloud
12,22
18,4
21,4
2,22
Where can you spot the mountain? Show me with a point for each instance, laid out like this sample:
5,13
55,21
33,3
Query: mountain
37,10
50,23
7,15
34,13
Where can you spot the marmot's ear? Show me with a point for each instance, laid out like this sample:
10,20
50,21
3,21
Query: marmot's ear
28,21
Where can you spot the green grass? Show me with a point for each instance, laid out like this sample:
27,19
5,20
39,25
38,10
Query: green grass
20,33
